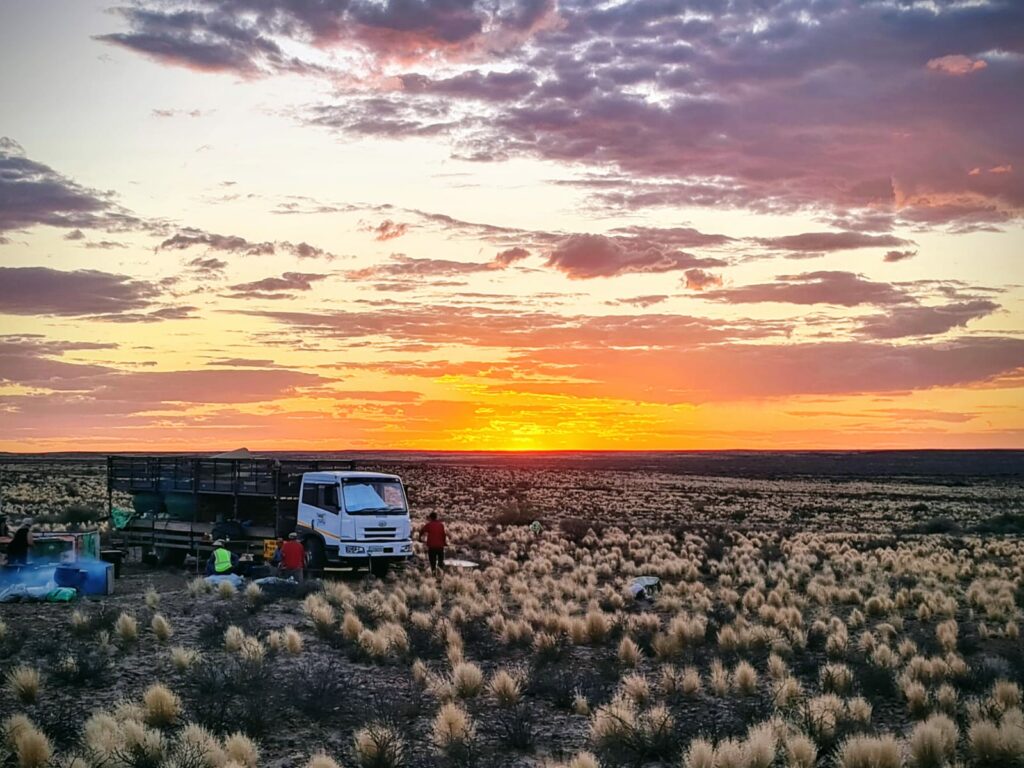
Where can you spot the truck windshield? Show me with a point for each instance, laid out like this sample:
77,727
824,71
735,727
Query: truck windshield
372,497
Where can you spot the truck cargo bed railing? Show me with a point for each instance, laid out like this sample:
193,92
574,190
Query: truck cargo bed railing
191,474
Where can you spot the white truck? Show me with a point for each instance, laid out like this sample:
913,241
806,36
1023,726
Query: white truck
180,504
354,518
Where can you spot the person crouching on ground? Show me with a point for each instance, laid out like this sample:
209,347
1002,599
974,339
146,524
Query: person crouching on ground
20,544
433,534
222,560
293,558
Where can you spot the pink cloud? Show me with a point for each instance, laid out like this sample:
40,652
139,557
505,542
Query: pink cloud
699,280
957,65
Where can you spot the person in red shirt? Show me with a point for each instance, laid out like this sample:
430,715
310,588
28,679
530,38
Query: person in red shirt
293,558
434,535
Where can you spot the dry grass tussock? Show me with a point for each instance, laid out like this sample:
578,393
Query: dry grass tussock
23,683
162,705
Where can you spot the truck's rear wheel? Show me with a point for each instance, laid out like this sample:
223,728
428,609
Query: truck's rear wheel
315,558
169,556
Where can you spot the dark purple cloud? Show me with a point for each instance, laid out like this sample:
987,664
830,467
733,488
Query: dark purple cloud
814,243
587,256
85,292
32,193
243,36
281,287
901,322
897,110
844,289
190,238
193,238
894,256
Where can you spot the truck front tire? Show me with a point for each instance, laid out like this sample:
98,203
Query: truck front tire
315,557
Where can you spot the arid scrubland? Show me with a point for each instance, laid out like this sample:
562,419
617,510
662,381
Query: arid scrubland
841,642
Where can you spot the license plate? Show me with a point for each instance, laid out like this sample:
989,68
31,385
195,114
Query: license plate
376,549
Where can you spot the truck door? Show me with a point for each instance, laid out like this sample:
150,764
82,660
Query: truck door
319,509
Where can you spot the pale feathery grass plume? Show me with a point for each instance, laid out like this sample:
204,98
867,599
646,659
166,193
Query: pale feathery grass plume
200,743
629,652
506,688
801,751
162,629
162,705
292,641
580,705
241,749
744,679
226,590
378,745
184,658
234,636
719,679
932,743
351,627
126,628
870,752
322,760
1006,694
32,747
700,754
467,680
452,729
23,683
253,594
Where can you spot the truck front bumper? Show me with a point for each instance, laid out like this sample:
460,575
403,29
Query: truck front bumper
361,551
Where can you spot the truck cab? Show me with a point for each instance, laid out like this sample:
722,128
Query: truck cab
354,519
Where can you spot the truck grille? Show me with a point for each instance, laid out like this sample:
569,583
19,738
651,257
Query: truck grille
380,534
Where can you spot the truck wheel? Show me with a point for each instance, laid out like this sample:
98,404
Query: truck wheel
379,568
314,547
169,556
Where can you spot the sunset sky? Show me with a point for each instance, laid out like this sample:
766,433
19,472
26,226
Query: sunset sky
511,224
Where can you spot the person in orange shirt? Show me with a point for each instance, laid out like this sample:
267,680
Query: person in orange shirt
434,535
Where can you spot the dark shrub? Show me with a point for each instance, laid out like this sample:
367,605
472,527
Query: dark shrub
514,727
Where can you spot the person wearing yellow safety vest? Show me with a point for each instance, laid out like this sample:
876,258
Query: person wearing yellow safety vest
222,560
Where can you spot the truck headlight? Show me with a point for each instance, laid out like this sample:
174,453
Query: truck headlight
406,548
353,550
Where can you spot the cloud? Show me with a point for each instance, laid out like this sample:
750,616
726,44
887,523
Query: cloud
249,37
207,266
400,266
844,289
191,238
893,256
773,107
80,293
925,321
814,243
700,280
387,230
489,327
582,257
956,64
276,287
510,256
642,301
32,193
730,372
